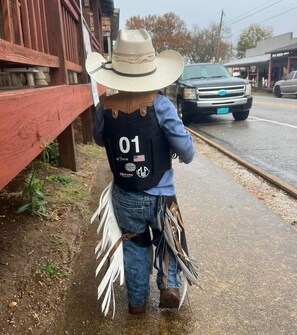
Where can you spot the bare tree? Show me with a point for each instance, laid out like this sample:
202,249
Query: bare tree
207,45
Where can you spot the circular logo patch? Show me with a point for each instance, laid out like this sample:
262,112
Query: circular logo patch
130,167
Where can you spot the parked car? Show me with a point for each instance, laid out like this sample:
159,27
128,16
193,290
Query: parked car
209,88
286,86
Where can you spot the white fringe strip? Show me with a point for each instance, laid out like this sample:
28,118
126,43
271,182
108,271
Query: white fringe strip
111,235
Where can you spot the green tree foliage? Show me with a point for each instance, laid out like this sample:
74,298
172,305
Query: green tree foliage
250,36
168,31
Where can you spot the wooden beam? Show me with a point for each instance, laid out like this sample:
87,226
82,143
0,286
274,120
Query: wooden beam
40,41
18,35
67,148
15,53
32,118
32,22
67,34
87,122
25,24
97,22
57,40
72,8
8,32
74,67
44,27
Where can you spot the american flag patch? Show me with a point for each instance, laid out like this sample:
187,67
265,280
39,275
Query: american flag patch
139,158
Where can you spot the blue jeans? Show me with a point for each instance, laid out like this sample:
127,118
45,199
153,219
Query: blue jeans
135,211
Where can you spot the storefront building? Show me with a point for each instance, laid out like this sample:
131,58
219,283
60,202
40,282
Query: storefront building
272,59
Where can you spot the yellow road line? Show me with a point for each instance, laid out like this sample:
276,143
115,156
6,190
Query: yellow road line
272,104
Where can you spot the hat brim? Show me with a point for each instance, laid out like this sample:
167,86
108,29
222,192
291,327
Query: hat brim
170,65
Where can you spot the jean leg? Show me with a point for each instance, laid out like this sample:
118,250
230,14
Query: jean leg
173,275
137,272
132,212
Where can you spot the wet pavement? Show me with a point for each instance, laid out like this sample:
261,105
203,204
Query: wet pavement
247,257
269,133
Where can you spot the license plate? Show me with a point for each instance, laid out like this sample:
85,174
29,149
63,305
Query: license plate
224,110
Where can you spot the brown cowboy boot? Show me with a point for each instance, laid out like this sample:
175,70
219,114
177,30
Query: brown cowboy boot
137,310
169,298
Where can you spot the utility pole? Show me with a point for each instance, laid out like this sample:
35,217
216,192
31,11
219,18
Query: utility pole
219,36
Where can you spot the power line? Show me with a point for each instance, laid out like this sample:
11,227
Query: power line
249,11
253,13
269,18
272,17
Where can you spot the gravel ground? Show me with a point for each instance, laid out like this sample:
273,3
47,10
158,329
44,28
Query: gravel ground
277,200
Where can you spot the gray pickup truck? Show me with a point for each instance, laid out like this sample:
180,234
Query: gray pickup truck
208,88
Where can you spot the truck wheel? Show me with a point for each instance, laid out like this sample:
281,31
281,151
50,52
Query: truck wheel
181,113
277,92
240,116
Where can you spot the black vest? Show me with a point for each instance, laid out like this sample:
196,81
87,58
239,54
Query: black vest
137,149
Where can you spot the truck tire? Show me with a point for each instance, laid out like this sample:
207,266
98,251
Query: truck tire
241,116
181,113
277,92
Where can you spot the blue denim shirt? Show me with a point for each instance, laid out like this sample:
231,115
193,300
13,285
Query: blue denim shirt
179,139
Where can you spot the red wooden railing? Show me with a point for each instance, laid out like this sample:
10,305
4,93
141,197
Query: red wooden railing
25,23
43,33
70,21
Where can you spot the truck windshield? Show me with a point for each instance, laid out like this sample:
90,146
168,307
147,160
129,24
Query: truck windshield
205,71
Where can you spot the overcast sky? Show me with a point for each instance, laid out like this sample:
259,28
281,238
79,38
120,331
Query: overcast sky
280,15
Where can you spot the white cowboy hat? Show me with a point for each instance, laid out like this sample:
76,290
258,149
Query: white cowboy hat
135,66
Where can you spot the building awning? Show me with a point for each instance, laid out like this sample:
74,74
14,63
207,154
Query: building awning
291,47
255,60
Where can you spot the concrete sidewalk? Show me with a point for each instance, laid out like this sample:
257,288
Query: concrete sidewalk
248,266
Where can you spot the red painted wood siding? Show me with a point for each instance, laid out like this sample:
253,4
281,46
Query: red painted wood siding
42,33
33,118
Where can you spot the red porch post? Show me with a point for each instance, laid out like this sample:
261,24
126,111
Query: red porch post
289,65
269,74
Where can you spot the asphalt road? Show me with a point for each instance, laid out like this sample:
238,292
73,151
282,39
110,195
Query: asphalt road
267,139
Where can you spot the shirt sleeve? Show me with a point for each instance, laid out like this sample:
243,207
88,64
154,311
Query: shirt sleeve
98,127
179,138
